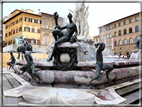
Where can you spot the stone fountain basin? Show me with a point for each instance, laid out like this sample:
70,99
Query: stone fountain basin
44,95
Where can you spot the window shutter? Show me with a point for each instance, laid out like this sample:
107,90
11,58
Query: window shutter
25,18
34,41
29,29
29,19
40,21
35,21
24,29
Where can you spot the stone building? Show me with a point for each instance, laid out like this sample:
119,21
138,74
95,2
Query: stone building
47,26
25,22
120,35
36,28
96,38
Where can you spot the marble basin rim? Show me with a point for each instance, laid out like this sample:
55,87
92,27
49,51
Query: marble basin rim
48,94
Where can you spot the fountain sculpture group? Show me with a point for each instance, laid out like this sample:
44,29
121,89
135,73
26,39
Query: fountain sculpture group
68,66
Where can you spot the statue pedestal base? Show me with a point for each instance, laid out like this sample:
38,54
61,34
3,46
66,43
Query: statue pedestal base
136,54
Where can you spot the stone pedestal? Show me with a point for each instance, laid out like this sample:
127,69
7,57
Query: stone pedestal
136,54
66,56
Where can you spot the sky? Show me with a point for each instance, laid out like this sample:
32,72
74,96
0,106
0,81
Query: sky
99,13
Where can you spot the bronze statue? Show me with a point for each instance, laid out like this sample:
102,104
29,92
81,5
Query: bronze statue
27,46
63,36
29,67
12,60
138,40
99,62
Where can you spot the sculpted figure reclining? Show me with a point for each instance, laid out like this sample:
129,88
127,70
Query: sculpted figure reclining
63,36
99,62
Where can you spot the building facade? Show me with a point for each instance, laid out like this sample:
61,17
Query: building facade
95,38
120,35
25,22
47,26
36,28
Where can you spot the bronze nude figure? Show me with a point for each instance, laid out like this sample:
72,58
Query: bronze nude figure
29,67
63,36
99,62
12,60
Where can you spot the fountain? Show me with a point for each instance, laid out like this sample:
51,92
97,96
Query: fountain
65,77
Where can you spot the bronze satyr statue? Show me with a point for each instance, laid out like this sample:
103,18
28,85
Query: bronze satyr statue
29,67
12,60
27,46
138,42
99,63
63,36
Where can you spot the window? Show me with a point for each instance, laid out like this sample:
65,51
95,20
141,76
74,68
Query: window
1,31
131,40
101,29
110,44
5,43
38,21
107,36
32,41
13,31
119,32
125,31
9,33
6,35
96,40
114,33
9,43
38,30
16,21
120,42
124,22
109,27
129,20
115,43
119,24
38,42
107,44
101,37
27,29
137,29
53,25
136,18
20,19
130,30
125,41
16,30
20,29
110,35
27,19
33,29
46,24
115,25
33,20
106,28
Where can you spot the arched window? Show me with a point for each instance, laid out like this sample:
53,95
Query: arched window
130,30
125,41
131,40
110,35
101,37
115,43
114,33
125,32
120,42
119,32
110,44
107,44
137,29
106,36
